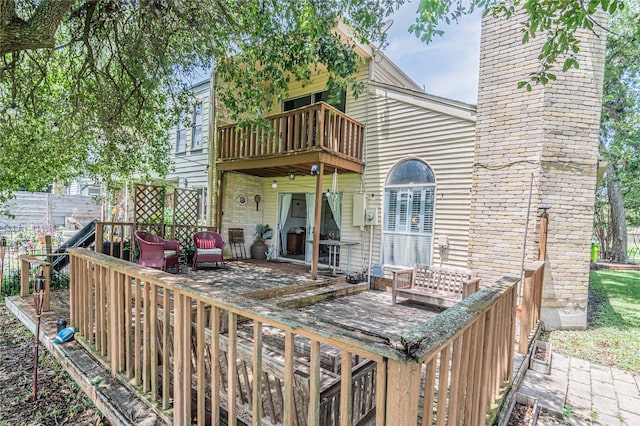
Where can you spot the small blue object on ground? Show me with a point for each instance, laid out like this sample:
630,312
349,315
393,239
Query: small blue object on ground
65,335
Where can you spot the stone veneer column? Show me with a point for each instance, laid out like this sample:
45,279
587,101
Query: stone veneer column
550,133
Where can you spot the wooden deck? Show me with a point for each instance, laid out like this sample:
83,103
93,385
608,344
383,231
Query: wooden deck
369,313
311,331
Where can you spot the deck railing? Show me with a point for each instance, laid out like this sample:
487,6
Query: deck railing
116,238
465,355
312,128
531,303
176,339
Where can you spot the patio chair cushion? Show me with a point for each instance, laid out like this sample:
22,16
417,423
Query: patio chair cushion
209,251
170,253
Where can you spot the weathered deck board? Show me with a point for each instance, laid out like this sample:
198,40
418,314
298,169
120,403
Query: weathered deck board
372,313
244,277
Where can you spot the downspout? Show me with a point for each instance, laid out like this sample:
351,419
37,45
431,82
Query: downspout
364,151
370,256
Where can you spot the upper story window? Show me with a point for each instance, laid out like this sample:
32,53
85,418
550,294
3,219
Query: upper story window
196,136
335,98
181,135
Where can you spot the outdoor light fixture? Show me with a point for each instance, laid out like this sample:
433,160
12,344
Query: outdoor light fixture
544,208
274,185
315,170
292,175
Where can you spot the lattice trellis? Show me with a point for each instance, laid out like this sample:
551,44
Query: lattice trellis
185,215
148,214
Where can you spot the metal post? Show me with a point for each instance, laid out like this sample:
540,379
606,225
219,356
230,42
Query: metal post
3,246
38,296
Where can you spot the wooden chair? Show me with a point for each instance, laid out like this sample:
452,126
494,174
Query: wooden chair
208,248
156,252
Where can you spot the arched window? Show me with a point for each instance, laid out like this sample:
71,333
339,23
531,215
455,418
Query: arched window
409,206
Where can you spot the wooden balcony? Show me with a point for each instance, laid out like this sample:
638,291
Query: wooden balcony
293,142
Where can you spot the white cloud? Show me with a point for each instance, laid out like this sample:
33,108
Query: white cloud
448,66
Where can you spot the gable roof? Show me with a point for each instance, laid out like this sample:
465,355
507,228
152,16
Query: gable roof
424,100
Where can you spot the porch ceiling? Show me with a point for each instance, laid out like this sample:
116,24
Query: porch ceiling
281,165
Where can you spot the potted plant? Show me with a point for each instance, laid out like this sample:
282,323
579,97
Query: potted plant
45,230
189,251
259,247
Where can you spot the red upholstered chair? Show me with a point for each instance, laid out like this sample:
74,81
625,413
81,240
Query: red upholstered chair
208,248
157,252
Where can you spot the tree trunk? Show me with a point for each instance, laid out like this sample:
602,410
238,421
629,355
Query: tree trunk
618,222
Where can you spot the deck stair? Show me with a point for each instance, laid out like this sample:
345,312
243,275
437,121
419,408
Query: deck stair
308,293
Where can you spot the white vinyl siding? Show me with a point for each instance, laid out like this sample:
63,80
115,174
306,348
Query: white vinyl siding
385,71
193,160
400,126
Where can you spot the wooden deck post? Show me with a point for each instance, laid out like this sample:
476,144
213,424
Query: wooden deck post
542,244
316,223
219,202
24,276
403,390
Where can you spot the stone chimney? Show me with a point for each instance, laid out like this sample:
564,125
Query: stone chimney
551,134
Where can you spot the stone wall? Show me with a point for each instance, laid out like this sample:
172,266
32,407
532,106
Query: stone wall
548,136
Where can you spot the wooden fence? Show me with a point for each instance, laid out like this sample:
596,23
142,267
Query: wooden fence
40,207
177,340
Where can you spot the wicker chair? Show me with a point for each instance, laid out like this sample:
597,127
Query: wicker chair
157,252
208,248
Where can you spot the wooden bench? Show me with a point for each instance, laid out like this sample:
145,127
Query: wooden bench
438,286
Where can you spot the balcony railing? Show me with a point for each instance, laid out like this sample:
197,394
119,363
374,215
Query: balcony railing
318,127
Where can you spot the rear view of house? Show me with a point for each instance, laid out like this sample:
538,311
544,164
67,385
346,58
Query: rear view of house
379,179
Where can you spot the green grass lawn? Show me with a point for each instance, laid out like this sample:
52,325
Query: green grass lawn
613,331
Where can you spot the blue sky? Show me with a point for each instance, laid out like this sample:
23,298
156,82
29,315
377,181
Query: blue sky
448,66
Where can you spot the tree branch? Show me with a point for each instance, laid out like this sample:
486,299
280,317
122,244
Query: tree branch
37,32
